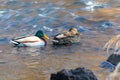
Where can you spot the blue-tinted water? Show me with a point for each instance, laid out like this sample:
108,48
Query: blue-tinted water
96,20
17,15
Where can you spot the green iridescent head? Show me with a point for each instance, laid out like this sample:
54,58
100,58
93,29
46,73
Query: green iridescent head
40,34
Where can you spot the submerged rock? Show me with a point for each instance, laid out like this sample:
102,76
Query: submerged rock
107,65
114,59
74,74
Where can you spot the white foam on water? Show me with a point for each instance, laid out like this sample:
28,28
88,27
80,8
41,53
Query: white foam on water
47,28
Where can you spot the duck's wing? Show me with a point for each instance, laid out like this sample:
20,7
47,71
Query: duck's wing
63,35
113,43
27,39
59,36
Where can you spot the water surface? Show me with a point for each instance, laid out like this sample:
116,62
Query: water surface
96,20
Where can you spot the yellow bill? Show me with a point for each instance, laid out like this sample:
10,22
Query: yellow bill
45,36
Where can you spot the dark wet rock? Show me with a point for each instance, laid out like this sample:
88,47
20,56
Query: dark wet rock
74,74
111,62
114,59
107,65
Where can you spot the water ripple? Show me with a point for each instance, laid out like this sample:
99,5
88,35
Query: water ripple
46,15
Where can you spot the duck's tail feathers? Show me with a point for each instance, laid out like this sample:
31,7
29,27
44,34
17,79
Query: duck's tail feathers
113,44
55,41
14,42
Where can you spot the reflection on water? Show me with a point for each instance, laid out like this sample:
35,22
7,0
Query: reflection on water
96,20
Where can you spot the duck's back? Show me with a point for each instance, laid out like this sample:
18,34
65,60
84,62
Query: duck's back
28,39
66,40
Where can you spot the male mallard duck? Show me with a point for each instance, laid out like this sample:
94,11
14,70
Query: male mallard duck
37,40
67,38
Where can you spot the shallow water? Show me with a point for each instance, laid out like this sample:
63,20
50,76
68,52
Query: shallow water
96,20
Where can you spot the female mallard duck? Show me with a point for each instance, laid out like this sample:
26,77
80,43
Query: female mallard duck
67,38
37,40
112,46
